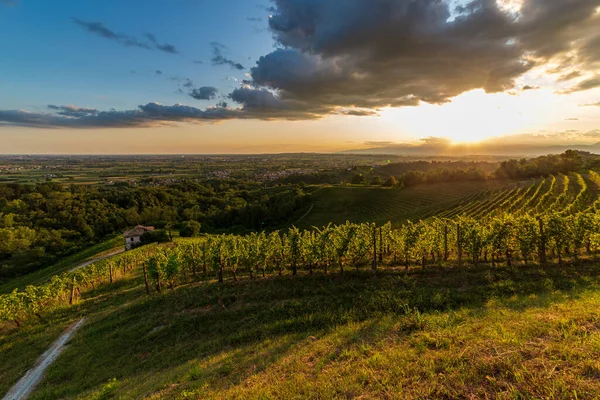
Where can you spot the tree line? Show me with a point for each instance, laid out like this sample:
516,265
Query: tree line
40,223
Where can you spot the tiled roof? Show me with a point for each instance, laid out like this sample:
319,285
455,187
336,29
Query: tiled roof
138,231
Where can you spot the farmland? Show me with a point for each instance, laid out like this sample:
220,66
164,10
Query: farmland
449,200
484,288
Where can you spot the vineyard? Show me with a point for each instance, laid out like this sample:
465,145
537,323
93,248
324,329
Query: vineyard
548,219
460,288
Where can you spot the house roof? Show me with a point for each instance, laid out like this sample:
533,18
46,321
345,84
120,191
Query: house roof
138,231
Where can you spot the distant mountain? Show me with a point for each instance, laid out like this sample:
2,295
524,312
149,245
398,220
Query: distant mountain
487,149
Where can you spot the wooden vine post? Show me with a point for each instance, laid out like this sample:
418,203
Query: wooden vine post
542,247
380,244
72,293
146,278
459,244
446,255
374,267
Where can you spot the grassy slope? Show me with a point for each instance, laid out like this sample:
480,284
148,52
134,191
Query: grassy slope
65,264
442,332
363,204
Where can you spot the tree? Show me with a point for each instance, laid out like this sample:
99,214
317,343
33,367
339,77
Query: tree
190,229
359,179
376,181
390,182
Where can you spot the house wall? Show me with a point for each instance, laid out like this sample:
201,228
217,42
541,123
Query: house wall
132,242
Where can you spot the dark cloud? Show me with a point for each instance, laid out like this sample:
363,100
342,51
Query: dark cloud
219,59
98,28
72,111
529,87
587,84
570,76
359,113
158,72
358,56
204,93
256,104
149,115
591,105
166,47
371,54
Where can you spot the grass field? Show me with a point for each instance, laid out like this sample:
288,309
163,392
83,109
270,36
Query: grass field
521,332
63,265
362,204
447,200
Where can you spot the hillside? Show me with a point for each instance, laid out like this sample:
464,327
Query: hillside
489,293
443,332
448,200
361,204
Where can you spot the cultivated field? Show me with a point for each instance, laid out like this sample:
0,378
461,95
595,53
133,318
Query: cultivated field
491,292
448,200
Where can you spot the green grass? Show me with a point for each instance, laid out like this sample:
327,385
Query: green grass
374,204
521,332
448,200
63,265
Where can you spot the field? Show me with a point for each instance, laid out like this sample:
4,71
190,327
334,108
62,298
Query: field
487,321
448,200
65,264
523,332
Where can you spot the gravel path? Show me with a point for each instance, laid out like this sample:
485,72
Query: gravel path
93,260
26,385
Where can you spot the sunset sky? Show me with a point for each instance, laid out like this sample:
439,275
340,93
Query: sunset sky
238,76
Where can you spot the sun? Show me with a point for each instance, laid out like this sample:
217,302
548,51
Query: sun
473,116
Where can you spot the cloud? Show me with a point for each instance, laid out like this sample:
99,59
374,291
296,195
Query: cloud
166,47
359,113
158,72
529,87
256,104
587,84
375,143
358,56
219,59
373,54
254,19
590,105
204,93
569,76
571,119
98,28
149,115
72,111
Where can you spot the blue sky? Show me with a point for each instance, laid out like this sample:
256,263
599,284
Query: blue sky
311,75
48,59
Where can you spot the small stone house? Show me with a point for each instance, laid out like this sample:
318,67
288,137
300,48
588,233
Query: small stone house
133,237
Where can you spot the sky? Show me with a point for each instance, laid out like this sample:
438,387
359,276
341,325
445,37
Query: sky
239,76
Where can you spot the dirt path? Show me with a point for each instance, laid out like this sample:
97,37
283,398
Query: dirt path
26,385
305,214
93,260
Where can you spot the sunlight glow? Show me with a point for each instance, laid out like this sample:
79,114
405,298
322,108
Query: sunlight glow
473,116
510,6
